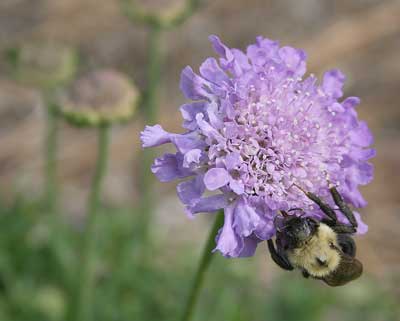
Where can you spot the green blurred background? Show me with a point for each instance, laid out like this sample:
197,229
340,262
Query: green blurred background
137,282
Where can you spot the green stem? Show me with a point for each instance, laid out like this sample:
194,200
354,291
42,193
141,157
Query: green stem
86,277
149,113
51,162
187,11
139,15
202,268
153,74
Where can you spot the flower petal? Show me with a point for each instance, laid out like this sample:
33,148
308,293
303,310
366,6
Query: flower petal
169,167
189,112
192,157
236,186
263,52
228,242
221,49
193,86
188,141
155,135
266,229
332,83
189,192
211,71
249,246
232,60
351,102
216,178
360,154
207,205
242,61
352,195
362,136
362,227
232,160
294,60
214,115
208,130
246,219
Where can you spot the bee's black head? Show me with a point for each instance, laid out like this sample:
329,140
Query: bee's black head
296,230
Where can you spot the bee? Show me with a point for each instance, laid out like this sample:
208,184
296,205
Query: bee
324,249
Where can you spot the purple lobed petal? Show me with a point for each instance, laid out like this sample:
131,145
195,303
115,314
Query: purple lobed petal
246,219
193,86
216,178
333,82
207,205
228,241
362,227
153,136
189,112
190,191
192,157
169,167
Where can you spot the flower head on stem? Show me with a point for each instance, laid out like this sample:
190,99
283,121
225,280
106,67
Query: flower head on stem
256,129
43,65
100,98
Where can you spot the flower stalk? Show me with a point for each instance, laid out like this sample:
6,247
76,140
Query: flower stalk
156,23
51,155
149,112
86,278
99,99
149,108
46,67
168,20
204,263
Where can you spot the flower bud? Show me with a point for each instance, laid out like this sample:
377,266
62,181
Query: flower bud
44,66
102,97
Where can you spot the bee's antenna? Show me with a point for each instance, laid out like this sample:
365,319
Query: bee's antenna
298,209
283,213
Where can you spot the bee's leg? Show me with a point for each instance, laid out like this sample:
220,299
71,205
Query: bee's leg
278,258
344,208
339,228
343,228
305,274
322,205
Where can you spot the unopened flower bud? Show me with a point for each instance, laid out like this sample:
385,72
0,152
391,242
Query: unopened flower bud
102,97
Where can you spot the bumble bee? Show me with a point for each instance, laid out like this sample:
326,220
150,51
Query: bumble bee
323,249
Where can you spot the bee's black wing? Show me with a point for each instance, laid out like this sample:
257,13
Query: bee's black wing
348,270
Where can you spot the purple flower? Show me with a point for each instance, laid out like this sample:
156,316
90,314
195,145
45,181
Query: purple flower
256,127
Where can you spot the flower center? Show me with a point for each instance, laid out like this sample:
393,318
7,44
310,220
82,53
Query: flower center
279,138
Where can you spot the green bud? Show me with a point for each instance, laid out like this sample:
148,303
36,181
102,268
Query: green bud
100,98
43,66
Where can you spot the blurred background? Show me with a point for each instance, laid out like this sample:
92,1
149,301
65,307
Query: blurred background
361,37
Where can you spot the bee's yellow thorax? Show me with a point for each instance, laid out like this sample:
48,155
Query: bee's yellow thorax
305,257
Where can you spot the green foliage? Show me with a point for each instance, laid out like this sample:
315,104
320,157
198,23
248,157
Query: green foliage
37,269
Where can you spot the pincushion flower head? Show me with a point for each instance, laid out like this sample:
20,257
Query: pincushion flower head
44,65
256,128
99,98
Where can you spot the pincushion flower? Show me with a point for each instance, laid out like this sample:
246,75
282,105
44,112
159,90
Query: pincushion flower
44,65
256,128
99,98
